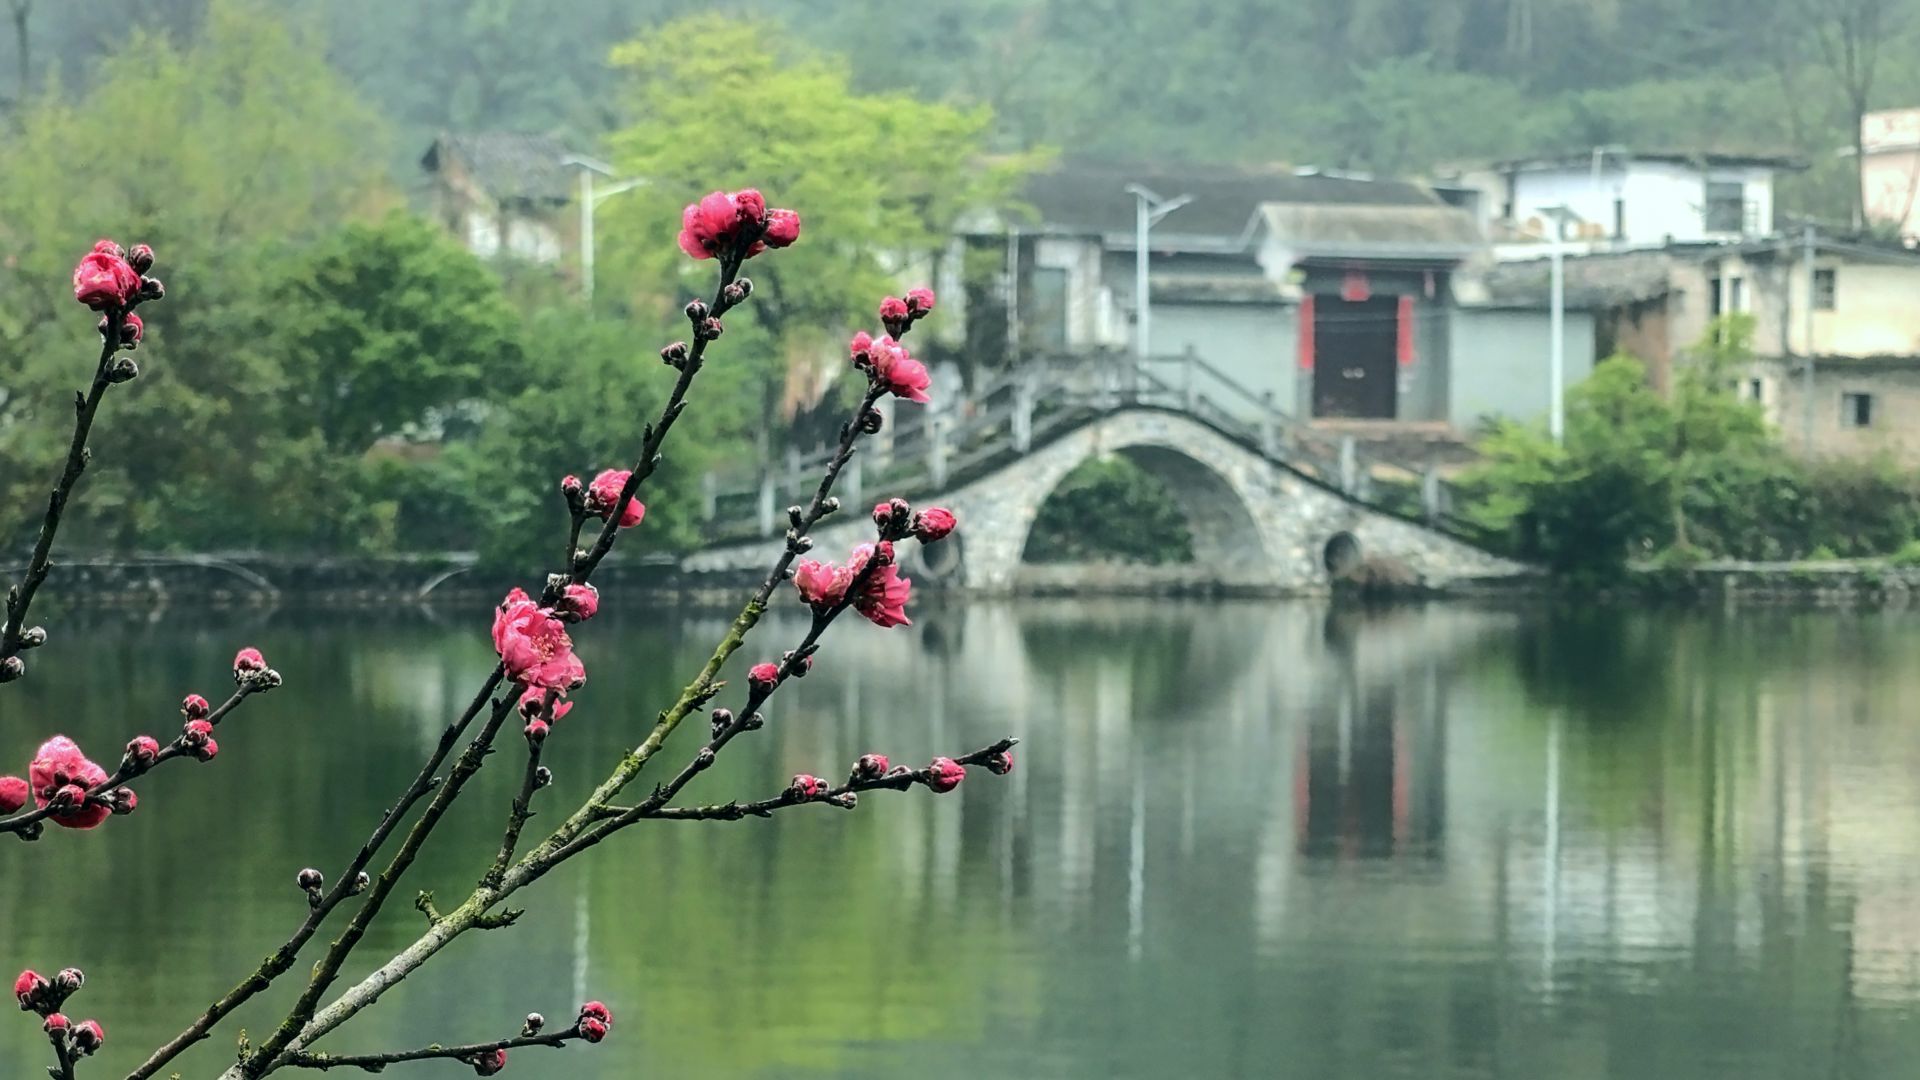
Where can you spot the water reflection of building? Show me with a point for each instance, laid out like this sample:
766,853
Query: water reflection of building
1369,773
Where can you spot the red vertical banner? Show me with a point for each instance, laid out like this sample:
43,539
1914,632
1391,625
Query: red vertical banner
1306,332
1403,346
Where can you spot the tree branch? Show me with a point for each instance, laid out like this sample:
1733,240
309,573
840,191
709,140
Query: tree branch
896,780
374,1063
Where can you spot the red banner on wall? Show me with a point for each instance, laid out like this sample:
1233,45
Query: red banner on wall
1403,346
1306,333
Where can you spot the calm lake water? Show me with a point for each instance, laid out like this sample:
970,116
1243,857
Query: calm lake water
1243,840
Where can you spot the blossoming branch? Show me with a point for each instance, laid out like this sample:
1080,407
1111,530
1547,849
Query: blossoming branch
536,684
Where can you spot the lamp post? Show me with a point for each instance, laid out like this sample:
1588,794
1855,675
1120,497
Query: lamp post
1557,324
589,199
1149,208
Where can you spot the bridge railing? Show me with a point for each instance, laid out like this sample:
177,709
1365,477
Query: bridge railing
1012,411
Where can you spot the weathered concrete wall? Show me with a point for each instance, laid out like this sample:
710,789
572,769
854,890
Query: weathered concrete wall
1256,526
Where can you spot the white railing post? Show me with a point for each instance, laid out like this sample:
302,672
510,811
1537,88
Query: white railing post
1023,401
1432,494
853,479
1269,427
709,495
1349,465
1187,366
766,500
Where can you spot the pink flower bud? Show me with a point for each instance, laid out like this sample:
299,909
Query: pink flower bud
88,1036
208,752
806,786
140,258
29,987
860,347
893,310
70,797
870,767
14,794
69,981
490,1062
933,524
570,485
108,247
533,705
920,301
142,750
195,707
763,676
56,1024
196,733
750,206
592,1030
310,880
797,666
125,801
247,661
945,774
596,1011
579,602
1001,763
536,732
132,329
783,228
604,494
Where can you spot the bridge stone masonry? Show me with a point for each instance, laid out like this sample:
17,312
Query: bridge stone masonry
1273,507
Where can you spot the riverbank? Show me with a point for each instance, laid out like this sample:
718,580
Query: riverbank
255,581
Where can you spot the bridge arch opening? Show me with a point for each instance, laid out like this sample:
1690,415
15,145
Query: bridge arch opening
1177,510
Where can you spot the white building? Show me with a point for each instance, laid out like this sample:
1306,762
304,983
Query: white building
1625,198
1890,170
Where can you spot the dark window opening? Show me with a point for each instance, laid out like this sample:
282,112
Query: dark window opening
1856,410
1824,289
1044,319
1619,219
1713,298
1757,389
1726,209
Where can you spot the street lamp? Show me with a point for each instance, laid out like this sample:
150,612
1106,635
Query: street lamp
1557,323
1149,208
589,199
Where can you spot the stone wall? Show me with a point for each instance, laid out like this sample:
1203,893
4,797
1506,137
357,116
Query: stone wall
1257,526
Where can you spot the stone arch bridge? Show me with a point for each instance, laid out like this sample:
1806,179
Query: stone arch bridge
1274,505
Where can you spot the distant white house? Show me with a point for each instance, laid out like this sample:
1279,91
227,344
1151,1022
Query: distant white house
1890,143
503,194
1619,197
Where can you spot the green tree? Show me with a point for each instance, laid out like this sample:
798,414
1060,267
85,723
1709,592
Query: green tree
718,102
388,328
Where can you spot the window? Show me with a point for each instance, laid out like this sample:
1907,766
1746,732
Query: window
1757,390
1619,219
1856,410
1713,298
1823,289
1726,209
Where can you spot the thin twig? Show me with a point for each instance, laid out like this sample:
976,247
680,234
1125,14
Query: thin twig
897,780
522,806
374,1063
25,823
282,959
20,597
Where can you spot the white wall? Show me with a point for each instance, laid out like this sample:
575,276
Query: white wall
1663,201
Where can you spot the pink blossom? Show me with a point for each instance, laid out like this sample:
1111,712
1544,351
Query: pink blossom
534,645
883,600
763,676
806,786
533,704
894,310
490,1062
920,300
57,765
896,370
933,524
206,751
247,661
88,1036
104,279
194,707
579,603
196,733
604,494
142,750
720,223
783,228
945,774
14,793
597,1011
822,585
28,987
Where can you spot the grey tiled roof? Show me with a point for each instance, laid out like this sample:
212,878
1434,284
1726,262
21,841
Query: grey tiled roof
509,165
